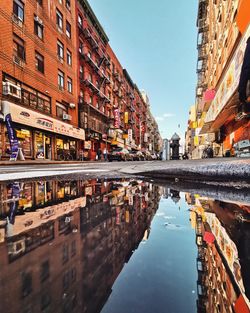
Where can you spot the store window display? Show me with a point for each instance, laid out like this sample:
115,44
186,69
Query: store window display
65,149
24,137
43,146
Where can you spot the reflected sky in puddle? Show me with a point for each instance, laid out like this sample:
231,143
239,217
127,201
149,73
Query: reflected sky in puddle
120,246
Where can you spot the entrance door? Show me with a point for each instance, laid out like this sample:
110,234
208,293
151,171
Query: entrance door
48,150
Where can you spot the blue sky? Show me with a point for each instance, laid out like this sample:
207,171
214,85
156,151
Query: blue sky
156,42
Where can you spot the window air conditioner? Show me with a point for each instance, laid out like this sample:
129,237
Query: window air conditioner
67,117
10,89
38,20
17,60
72,105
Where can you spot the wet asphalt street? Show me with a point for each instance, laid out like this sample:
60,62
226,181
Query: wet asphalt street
239,168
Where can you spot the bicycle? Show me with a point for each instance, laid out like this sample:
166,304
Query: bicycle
65,156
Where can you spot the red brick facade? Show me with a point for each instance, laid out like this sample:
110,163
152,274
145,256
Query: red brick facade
67,93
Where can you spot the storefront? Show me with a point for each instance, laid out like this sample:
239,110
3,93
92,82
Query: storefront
41,137
223,116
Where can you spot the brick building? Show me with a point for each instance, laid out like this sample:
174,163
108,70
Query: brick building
94,79
38,72
223,29
64,93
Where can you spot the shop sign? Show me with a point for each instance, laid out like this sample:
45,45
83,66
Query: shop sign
126,117
117,118
87,144
38,120
230,81
146,137
130,135
196,140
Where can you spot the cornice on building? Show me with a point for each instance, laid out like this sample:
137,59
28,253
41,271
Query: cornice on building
128,78
94,20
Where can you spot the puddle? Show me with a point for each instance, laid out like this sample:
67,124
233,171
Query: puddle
122,246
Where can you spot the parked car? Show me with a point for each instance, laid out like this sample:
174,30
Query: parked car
148,156
136,155
153,156
119,154
141,156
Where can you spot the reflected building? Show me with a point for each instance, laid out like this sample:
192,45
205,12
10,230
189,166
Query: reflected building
63,243
223,257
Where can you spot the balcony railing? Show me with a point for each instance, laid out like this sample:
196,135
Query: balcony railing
89,84
202,25
201,67
92,63
86,33
202,53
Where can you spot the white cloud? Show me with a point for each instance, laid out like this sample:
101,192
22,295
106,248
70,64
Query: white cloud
158,118
168,114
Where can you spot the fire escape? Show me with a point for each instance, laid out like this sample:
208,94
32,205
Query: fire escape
202,269
202,43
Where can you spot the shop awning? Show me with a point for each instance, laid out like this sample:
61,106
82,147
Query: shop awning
26,117
229,83
243,15
241,305
208,237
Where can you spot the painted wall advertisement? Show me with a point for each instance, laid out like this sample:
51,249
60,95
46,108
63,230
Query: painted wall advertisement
230,81
34,119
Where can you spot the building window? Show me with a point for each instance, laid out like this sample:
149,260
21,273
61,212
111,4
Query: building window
60,79
69,84
62,109
90,78
26,284
19,48
79,20
67,3
73,248
81,72
60,50
91,100
39,62
40,2
18,10
59,19
69,58
60,1
81,47
38,27
44,272
68,29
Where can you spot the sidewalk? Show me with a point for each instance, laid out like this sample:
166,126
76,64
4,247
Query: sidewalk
43,162
234,171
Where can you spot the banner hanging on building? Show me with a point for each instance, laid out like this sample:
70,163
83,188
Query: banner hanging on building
126,117
15,151
117,118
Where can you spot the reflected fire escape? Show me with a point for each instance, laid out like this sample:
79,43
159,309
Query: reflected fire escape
201,267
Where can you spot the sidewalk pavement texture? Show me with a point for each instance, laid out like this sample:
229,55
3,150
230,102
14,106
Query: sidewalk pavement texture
219,170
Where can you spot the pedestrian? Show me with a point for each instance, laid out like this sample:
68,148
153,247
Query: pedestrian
105,154
99,154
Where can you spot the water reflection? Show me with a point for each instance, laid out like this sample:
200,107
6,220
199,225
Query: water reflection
223,259
64,243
